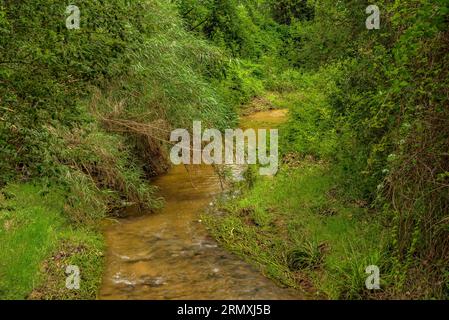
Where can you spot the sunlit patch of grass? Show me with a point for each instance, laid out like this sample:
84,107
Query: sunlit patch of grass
81,248
32,228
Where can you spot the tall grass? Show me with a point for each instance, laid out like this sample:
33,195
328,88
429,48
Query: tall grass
89,112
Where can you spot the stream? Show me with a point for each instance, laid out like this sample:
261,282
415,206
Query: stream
170,255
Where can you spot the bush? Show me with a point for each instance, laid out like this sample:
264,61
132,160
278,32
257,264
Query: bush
100,99
383,118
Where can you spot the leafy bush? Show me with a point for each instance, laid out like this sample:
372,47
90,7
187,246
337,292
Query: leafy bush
85,99
386,119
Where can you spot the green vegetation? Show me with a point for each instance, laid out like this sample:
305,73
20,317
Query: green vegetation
301,233
33,228
87,112
85,115
372,106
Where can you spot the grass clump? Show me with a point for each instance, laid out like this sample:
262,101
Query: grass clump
276,225
34,228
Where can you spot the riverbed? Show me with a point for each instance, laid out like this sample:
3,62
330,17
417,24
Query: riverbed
170,255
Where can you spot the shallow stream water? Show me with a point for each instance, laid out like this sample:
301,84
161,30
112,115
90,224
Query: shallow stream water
170,255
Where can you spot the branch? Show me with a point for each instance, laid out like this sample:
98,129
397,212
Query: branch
199,24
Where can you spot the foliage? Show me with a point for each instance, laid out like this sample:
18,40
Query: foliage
287,11
373,103
387,109
88,112
241,28
32,228
68,95
294,229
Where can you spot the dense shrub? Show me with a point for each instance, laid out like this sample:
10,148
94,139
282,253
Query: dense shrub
86,99
388,110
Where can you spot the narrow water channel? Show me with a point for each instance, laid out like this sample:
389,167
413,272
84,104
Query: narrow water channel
169,254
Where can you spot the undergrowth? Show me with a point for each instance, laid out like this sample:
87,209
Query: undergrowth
33,229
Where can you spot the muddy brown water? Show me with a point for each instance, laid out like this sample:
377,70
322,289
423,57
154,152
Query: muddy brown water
170,255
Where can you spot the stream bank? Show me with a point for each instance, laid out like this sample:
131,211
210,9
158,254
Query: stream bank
170,254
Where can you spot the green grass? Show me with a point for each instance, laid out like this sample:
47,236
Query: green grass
301,232
37,242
